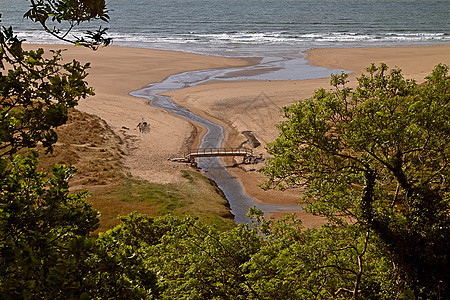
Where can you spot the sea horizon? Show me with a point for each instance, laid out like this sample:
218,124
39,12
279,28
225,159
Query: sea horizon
236,28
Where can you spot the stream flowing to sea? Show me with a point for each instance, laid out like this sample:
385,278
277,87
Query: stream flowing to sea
280,67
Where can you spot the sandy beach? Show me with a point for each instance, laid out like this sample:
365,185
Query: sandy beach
237,106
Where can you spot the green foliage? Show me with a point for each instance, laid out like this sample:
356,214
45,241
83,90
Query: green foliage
45,247
273,259
197,262
43,230
59,17
36,91
377,155
190,260
334,262
122,269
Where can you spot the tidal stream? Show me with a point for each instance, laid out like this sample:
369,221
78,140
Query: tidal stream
278,68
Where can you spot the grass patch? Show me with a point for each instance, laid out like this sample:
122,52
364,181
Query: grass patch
185,174
196,197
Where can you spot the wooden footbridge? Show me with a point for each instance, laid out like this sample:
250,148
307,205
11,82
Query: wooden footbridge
216,152
246,153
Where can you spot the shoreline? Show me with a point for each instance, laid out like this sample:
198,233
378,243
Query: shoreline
244,105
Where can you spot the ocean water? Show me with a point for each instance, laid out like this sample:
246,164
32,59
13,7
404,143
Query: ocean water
240,27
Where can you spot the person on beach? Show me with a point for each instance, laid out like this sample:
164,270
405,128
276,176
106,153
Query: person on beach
142,125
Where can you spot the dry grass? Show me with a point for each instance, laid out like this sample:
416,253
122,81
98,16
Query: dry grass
87,143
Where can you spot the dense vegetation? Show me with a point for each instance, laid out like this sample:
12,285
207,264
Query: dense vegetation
374,160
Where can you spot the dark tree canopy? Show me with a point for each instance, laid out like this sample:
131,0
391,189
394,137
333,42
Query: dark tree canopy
43,232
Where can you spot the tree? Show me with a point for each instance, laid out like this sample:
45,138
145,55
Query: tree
44,230
379,157
46,250
36,92
58,18
331,262
273,259
195,261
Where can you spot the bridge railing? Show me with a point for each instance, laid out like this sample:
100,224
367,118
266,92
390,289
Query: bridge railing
220,151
